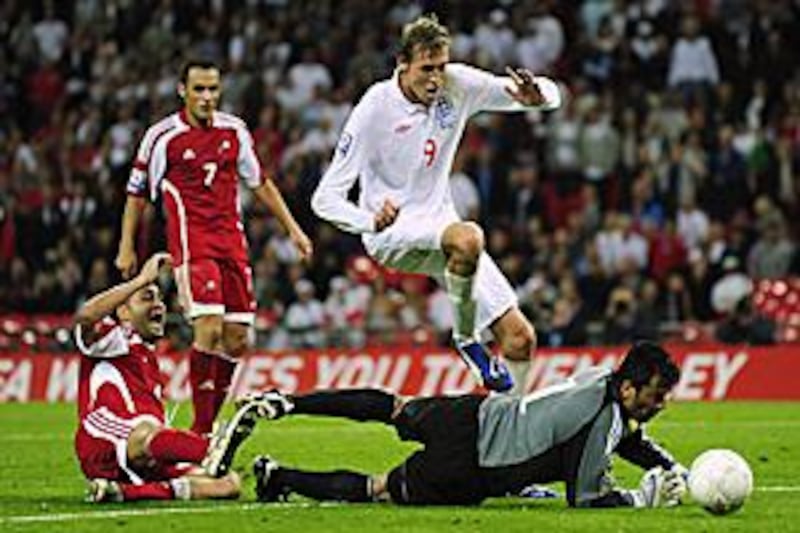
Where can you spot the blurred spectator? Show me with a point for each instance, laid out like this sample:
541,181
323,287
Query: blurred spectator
466,198
727,183
649,316
731,288
745,326
51,34
649,50
692,224
440,315
693,66
305,318
621,317
601,62
542,42
568,323
343,329
599,148
494,41
564,131
676,300
771,255
618,243
666,250
700,279
528,200
309,75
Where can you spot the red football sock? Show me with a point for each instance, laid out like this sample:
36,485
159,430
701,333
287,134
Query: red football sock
201,380
158,490
223,375
177,445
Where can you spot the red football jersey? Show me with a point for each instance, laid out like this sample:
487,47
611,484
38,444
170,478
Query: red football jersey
198,171
119,372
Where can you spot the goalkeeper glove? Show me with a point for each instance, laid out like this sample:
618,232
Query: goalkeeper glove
675,487
654,489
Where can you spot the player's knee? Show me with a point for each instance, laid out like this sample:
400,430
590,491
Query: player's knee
231,486
228,487
463,244
236,342
519,342
464,240
139,441
208,333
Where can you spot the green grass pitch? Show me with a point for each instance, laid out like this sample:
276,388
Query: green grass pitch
41,487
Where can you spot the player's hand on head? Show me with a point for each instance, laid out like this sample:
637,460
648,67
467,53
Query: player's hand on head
386,216
153,266
525,90
126,262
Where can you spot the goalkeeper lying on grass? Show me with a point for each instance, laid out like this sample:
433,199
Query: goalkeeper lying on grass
477,447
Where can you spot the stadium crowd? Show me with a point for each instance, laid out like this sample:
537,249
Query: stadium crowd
660,194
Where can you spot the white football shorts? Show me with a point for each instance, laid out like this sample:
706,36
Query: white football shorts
413,244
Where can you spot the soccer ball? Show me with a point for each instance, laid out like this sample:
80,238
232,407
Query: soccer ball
720,481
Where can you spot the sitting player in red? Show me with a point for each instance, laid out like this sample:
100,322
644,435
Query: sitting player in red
123,444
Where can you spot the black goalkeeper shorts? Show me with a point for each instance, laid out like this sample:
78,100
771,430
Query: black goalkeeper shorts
445,471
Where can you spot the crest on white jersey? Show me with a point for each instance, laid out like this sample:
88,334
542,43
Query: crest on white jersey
344,144
445,113
188,154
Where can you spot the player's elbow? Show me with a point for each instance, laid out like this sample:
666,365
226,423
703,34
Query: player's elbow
82,317
319,202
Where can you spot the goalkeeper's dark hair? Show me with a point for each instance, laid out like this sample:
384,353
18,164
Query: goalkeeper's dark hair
196,62
645,360
424,32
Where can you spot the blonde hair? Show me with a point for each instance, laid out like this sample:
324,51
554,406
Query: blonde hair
424,32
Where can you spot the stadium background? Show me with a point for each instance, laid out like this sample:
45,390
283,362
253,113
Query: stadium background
672,166
660,202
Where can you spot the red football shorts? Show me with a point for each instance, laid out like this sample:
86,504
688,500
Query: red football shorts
217,287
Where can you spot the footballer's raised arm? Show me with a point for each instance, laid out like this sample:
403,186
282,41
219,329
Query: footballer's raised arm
519,91
330,201
105,303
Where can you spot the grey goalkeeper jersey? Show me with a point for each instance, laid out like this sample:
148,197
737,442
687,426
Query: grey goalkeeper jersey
565,432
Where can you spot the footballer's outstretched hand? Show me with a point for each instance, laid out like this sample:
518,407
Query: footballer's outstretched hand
675,484
386,216
657,489
525,90
674,488
153,266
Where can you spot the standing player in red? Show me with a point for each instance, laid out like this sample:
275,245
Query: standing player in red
123,444
195,158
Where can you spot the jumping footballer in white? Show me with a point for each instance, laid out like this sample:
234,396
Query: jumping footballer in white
399,142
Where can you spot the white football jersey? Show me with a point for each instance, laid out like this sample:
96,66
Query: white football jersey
402,151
